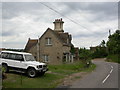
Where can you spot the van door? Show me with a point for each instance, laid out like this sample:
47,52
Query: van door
19,61
6,58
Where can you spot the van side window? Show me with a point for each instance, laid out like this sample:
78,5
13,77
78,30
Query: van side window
19,57
12,56
5,55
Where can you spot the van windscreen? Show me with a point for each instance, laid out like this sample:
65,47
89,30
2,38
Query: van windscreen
29,58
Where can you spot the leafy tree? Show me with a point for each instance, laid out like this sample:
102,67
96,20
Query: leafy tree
85,55
100,50
113,46
102,44
113,43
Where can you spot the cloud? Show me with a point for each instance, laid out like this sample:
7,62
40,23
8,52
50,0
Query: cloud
92,20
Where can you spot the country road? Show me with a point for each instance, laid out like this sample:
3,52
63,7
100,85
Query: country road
104,76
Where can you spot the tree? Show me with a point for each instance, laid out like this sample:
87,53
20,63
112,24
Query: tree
100,50
113,43
84,54
102,44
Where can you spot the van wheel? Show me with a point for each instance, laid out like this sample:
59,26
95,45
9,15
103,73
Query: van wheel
31,72
5,68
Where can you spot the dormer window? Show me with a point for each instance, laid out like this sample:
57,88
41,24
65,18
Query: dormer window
48,41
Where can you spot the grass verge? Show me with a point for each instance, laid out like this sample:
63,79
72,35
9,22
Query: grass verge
49,80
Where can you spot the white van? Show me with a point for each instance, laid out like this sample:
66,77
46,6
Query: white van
22,62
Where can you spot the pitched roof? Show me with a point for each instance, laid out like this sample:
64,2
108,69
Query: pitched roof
63,37
30,43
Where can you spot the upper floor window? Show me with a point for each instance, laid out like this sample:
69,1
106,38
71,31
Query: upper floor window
48,41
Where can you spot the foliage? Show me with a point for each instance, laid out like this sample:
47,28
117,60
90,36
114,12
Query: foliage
113,46
113,58
84,54
100,52
72,49
113,43
102,44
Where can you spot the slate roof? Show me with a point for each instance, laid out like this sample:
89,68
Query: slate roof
30,44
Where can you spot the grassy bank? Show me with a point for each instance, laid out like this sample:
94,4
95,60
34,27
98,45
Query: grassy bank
49,80
113,58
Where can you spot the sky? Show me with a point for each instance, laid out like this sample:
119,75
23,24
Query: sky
87,22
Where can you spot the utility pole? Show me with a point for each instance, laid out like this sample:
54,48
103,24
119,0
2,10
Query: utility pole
108,37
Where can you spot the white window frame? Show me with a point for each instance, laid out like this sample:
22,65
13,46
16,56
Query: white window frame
48,41
46,58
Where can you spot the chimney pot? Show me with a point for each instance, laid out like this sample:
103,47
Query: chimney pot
58,25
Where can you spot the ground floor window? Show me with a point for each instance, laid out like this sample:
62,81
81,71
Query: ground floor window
67,57
46,58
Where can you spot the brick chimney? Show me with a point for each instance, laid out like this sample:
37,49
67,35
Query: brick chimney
58,25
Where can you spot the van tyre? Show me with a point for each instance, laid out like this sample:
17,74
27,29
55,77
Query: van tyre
42,73
5,68
31,72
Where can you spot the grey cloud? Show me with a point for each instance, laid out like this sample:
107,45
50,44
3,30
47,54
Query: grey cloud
103,11
12,9
10,32
95,34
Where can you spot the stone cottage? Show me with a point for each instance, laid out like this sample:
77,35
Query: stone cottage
53,47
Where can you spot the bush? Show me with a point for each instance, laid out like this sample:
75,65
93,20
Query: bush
114,58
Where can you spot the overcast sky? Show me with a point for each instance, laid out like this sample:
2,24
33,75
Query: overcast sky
88,22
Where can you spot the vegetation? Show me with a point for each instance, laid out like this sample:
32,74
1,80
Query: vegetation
113,58
110,49
100,52
113,43
49,80
113,46
84,54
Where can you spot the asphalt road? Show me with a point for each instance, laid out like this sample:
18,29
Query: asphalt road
104,76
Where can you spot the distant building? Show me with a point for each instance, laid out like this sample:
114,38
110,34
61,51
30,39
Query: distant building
31,47
93,49
53,46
